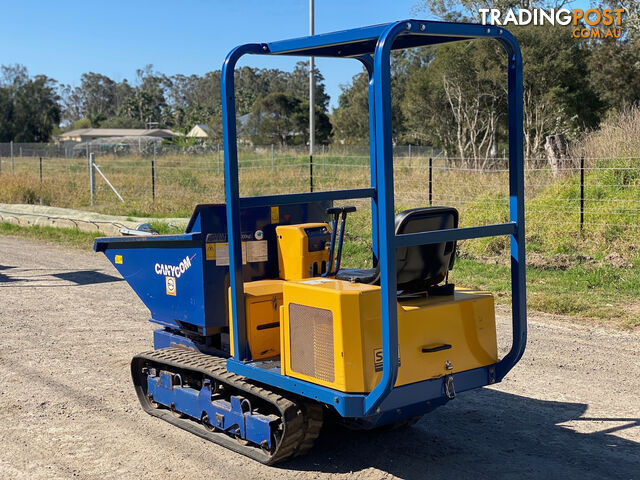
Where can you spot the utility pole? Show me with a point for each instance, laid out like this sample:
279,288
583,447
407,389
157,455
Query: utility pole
312,122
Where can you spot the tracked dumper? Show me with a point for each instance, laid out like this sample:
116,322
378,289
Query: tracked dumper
262,334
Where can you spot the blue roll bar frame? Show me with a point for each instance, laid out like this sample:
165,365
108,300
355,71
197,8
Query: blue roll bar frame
372,47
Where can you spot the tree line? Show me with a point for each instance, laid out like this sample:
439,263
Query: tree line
272,105
452,97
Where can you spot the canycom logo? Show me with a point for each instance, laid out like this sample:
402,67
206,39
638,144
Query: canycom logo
173,270
591,23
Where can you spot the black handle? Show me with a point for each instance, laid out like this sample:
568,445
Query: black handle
266,326
436,348
335,211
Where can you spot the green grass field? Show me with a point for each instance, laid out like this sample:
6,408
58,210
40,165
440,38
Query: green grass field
593,288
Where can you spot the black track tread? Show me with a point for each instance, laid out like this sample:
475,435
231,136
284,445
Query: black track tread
313,424
302,420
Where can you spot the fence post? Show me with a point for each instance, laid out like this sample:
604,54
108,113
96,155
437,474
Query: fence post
153,174
12,163
92,177
409,152
218,161
41,201
581,194
430,181
272,167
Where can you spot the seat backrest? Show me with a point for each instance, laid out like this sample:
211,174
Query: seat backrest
423,266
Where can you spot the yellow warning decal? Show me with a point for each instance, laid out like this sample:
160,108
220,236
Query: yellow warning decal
210,253
170,284
118,259
275,214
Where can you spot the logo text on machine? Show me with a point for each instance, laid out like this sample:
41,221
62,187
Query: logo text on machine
174,270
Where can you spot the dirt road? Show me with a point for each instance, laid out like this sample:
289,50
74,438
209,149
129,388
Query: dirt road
69,326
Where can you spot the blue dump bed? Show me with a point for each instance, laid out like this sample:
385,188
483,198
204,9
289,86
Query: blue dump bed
183,279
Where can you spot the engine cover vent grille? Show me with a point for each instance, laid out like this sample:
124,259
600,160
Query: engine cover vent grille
311,334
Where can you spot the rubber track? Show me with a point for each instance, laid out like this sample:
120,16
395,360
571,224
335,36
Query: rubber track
301,420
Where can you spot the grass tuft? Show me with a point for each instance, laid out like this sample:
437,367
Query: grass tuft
71,237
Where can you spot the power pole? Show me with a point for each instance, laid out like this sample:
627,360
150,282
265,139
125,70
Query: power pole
312,122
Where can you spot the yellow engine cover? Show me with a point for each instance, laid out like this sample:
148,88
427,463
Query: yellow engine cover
295,261
331,334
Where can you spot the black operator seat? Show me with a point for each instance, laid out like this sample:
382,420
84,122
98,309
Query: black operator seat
421,267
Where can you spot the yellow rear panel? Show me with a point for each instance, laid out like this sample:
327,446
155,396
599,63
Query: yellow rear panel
465,321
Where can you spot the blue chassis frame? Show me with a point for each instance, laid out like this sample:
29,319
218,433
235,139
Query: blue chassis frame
372,46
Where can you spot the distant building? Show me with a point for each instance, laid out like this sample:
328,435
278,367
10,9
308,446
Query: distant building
199,131
89,134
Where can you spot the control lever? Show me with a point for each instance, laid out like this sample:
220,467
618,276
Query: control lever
343,224
335,211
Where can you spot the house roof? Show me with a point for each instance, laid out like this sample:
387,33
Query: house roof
199,130
120,132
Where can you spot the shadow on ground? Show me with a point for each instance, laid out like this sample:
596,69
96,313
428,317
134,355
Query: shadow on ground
86,277
4,278
485,434
36,277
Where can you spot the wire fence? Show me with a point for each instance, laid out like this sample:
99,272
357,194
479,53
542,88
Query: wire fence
579,194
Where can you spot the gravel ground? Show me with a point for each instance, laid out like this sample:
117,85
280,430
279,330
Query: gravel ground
69,326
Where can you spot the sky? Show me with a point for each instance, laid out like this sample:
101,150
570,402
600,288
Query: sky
65,39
